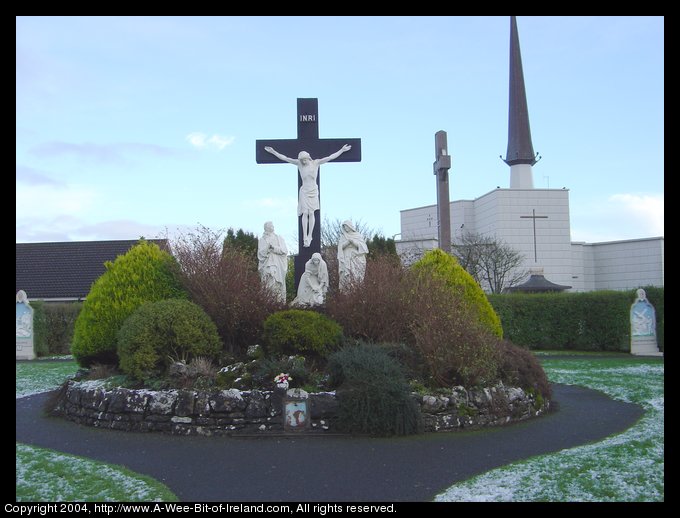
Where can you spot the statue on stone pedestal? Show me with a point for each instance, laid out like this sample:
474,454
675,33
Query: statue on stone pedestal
272,256
308,196
642,316
313,283
352,251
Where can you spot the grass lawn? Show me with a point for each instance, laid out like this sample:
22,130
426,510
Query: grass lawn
44,475
625,467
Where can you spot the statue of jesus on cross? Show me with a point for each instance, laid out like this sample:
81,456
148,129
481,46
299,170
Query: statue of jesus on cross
308,196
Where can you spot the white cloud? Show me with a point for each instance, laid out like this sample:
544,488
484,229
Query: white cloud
49,201
197,139
619,217
221,142
117,153
648,209
202,141
69,228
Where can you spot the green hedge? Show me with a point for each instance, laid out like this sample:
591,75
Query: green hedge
591,321
53,325
39,328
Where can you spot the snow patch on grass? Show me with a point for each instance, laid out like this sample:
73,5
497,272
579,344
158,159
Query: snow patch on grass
625,467
37,377
48,476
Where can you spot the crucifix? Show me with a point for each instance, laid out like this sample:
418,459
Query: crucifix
534,217
300,152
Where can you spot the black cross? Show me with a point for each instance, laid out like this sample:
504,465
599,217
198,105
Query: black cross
307,140
534,217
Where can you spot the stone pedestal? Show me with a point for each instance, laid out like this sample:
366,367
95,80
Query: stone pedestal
644,346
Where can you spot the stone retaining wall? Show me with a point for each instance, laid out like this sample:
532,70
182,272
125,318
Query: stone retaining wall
230,412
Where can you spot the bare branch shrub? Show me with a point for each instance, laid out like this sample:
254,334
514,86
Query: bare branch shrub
224,281
376,309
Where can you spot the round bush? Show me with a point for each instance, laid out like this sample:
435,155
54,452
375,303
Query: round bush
373,395
158,333
444,266
145,273
298,331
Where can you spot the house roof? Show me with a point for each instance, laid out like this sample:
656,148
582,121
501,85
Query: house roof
66,270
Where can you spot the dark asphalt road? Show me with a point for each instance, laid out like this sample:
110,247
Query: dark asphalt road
329,469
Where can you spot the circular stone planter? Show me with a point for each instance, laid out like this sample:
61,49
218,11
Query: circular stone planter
232,411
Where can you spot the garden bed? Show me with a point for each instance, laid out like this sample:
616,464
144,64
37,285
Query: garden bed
233,412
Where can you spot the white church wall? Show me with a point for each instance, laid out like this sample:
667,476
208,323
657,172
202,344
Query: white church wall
615,265
582,262
419,223
622,265
500,213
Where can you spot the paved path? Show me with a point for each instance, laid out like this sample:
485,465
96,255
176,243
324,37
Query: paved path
329,469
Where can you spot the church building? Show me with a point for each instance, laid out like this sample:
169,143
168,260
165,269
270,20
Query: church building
535,222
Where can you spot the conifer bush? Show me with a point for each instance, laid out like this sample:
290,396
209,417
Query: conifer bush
145,273
373,395
439,264
159,333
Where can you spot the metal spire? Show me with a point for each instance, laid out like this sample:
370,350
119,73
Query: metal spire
520,149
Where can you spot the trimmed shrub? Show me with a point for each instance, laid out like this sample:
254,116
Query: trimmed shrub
519,368
60,319
373,395
40,329
53,325
440,264
145,273
158,333
591,321
299,331
655,297
223,279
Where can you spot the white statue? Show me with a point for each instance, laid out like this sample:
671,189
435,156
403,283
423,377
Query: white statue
272,256
22,298
352,250
642,317
24,325
308,197
313,283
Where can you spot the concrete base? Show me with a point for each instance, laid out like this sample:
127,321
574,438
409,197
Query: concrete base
644,346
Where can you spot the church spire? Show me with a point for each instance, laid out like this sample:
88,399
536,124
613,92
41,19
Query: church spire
520,155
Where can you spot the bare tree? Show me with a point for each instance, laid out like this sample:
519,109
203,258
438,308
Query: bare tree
494,264
331,230
224,281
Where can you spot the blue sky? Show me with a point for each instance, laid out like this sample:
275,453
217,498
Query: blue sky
129,126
